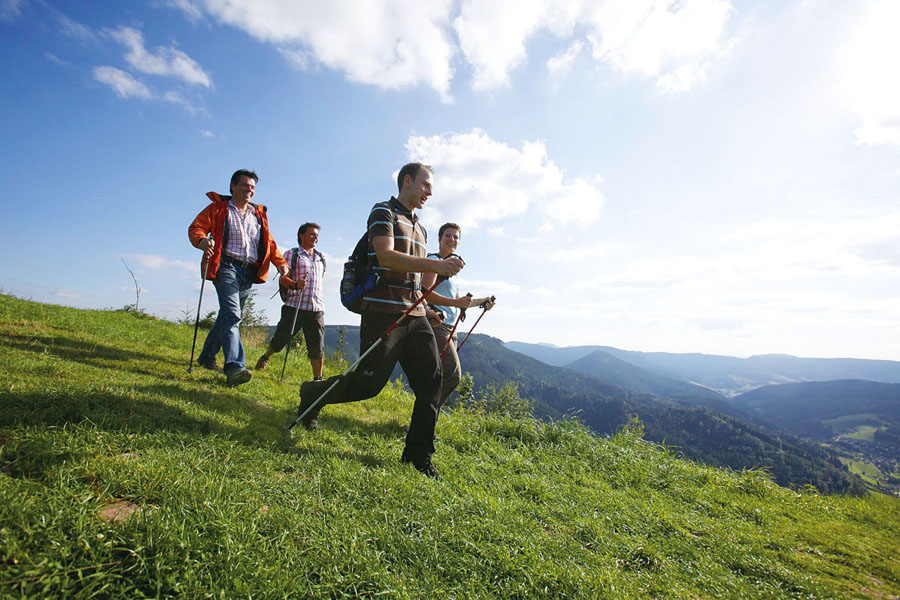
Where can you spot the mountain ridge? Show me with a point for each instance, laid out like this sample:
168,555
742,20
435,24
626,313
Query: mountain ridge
728,375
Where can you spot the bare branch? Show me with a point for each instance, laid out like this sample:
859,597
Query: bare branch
137,286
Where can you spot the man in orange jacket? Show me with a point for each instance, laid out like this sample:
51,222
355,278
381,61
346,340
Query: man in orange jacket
235,257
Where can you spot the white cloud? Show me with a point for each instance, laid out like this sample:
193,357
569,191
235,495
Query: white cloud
187,7
392,45
480,180
480,288
176,98
774,271
855,246
10,10
67,294
656,37
122,83
73,29
169,62
207,133
56,60
155,263
125,85
562,63
681,79
870,76
570,254
397,44
671,41
492,34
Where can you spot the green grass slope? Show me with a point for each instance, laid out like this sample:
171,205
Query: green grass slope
98,411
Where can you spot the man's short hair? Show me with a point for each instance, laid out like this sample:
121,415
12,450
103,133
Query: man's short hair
242,173
411,169
306,226
447,226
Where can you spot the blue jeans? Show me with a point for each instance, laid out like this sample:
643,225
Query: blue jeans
233,287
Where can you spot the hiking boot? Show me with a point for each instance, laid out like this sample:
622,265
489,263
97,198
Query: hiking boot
261,363
212,366
307,397
424,466
237,377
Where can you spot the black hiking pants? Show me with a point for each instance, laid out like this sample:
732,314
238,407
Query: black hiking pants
412,344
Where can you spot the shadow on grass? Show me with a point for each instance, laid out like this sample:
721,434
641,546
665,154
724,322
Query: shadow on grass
87,353
166,408
350,425
113,410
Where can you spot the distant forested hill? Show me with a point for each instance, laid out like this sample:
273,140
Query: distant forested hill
606,367
821,409
699,432
727,374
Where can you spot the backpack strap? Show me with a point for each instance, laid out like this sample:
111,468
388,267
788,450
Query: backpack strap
436,256
294,252
443,278
372,262
322,258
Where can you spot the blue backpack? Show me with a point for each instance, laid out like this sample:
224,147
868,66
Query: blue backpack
359,276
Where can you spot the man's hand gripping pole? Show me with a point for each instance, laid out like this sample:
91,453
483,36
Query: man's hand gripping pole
484,309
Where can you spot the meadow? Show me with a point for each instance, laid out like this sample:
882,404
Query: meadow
122,475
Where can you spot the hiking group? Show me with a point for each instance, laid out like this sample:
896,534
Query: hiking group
387,281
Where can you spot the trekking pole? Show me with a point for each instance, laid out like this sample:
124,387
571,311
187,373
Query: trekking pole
352,367
288,349
483,310
462,317
204,269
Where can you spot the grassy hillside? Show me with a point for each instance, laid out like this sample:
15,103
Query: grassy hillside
124,476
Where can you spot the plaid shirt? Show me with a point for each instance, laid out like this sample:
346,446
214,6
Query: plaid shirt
243,233
310,266
393,219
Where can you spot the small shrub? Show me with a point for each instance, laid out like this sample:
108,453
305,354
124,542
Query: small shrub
189,317
254,325
340,345
506,401
465,391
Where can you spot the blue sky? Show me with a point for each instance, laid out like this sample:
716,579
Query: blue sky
696,176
